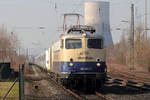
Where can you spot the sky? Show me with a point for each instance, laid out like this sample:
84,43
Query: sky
25,17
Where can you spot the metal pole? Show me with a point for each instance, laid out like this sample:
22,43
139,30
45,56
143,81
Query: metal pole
145,19
132,39
27,53
21,82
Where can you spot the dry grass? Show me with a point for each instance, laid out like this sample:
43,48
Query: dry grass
14,93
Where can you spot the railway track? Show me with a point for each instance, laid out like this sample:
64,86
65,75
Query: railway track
120,82
78,95
83,96
130,79
67,90
93,96
129,83
129,75
103,96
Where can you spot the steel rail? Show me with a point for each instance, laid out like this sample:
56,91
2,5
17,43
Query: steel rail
102,96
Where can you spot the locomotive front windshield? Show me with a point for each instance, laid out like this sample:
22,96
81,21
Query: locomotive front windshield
95,43
73,43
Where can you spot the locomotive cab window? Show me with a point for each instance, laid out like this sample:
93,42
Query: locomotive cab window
73,43
95,43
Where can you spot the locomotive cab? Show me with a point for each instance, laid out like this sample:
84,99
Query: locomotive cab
83,55
79,57
83,59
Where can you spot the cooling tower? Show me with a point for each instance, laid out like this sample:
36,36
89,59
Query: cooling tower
97,15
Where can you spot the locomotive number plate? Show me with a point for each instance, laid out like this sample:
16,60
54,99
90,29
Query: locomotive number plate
85,68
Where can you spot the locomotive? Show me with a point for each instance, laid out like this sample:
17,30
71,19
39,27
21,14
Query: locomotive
78,59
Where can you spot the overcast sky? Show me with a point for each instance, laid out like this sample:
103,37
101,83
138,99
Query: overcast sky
24,17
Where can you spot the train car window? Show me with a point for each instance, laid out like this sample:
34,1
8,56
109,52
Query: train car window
95,43
73,43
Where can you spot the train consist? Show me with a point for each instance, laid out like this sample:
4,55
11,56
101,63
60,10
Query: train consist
77,59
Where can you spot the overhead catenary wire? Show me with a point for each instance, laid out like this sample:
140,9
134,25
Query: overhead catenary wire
59,6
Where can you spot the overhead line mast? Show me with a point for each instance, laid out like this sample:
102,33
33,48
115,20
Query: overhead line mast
145,19
132,39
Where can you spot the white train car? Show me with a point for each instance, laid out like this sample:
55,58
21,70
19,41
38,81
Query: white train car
43,60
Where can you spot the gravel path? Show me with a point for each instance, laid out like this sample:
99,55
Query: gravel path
37,87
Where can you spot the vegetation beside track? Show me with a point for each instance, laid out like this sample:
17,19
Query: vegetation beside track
120,52
14,93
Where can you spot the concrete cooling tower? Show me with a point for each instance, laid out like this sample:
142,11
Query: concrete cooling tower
97,15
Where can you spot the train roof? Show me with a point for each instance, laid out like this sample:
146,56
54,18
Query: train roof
87,35
79,31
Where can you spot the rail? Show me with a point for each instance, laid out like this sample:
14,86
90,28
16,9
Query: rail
102,96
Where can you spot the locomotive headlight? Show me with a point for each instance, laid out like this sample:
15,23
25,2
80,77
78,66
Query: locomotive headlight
71,64
98,64
84,34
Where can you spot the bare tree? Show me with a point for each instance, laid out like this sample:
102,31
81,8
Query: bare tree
9,44
120,51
